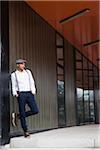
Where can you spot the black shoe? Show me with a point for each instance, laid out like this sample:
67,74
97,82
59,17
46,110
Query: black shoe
14,119
26,134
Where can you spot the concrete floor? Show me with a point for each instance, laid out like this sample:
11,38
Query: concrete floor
52,149
72,138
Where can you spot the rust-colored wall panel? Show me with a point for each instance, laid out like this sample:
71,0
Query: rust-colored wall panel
79,31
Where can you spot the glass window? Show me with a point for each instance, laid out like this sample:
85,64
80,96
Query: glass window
60,81
79,79
85,63
86,84
92,113
80,105
59,40
59,54
78,64
78,56
90,83
85,79
90,66
86,105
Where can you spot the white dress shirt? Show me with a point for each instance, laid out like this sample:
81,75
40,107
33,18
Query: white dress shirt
22,81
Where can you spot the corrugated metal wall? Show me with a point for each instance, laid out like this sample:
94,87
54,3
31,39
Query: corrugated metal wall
70,84
33,39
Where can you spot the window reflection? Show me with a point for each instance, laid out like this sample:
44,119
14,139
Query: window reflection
80,105
60,87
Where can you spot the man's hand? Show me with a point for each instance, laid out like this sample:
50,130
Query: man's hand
16,95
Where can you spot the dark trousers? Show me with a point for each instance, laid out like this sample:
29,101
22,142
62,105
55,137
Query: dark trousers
23,99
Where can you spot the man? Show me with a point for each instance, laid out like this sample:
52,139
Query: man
23,88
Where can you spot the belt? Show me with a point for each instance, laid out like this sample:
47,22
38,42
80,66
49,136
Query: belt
23,91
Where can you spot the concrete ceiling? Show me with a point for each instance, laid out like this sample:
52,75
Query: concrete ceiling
79,31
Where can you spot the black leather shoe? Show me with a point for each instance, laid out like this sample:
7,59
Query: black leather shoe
26,134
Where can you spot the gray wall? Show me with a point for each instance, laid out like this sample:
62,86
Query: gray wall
31,38
70,84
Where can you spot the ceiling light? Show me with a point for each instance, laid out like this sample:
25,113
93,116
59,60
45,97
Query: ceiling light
74,16
91,43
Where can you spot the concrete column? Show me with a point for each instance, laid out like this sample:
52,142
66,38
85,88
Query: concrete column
4,73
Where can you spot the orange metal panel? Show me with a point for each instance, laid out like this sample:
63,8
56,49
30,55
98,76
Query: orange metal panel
79,31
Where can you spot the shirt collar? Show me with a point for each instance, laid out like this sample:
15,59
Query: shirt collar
20,71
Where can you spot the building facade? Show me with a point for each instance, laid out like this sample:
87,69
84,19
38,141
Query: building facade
67,82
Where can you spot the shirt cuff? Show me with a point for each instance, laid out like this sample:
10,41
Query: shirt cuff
33,92
14,93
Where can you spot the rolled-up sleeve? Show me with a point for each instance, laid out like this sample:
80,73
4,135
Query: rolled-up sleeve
32,83
14,84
